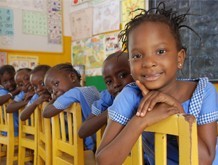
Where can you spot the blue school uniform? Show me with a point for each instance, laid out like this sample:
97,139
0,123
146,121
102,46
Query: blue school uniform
19,97
15,114
202,105
106,100
34,98
85,96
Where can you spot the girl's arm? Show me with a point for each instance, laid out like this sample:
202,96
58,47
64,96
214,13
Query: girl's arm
50,110
15,106
207,143
118,140
10,95
28,110
5,98
92,124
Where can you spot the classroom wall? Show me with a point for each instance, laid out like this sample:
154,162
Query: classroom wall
49,58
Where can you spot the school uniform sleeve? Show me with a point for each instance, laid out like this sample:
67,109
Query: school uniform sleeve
99,106
34,98
125,104
19,97
64,101
3,91
209,109
203,103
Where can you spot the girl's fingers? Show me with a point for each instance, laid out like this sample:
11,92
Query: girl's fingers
142,88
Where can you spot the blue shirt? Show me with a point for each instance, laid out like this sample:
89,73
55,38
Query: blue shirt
3,91
34,98
85,96
99,106
19,97
202,105
15,114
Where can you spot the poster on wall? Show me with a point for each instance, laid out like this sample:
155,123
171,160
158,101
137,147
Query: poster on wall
22,61
106,17
128,6
89,52
3,58
81,24
112,43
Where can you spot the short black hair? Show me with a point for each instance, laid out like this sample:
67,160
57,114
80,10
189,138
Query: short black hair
66,67
7,68
38,68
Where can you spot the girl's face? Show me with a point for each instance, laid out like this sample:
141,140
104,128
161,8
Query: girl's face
22,79
7,81
60,82
37,82
154,58
116,74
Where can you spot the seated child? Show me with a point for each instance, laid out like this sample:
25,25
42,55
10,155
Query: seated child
8,86
64,81
41,93
8,90
22,81
156,54
116,74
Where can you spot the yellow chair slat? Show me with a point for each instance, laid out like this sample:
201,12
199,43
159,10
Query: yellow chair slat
136,154
183,126
67,146
28,138
44,138
7,137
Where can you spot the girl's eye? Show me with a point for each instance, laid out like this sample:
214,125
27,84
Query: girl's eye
123,75
161,51
35,87
135,56
108,82
56,83
42,84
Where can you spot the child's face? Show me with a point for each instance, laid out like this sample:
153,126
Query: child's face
7,81
22,80
37,81
116,74
154,58
47,82
59,82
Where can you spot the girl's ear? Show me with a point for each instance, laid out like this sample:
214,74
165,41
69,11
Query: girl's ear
181,58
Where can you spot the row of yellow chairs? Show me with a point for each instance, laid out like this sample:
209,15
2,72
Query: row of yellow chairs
45,141
56,142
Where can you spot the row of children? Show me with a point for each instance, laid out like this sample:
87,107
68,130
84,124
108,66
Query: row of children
151,92
60,86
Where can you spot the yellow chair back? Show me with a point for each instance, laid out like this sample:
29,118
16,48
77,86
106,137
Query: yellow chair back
68,148
136,154
7,137
28,138
183,126
44,138
99,135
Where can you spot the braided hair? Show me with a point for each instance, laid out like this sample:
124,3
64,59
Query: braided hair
65,67
173,19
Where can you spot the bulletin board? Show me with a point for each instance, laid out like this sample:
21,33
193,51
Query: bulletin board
202,54
31,25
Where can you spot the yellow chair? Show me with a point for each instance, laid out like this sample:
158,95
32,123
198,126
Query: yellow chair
183,126
99,135
136,155
68,148
28,139
7,137
44,138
